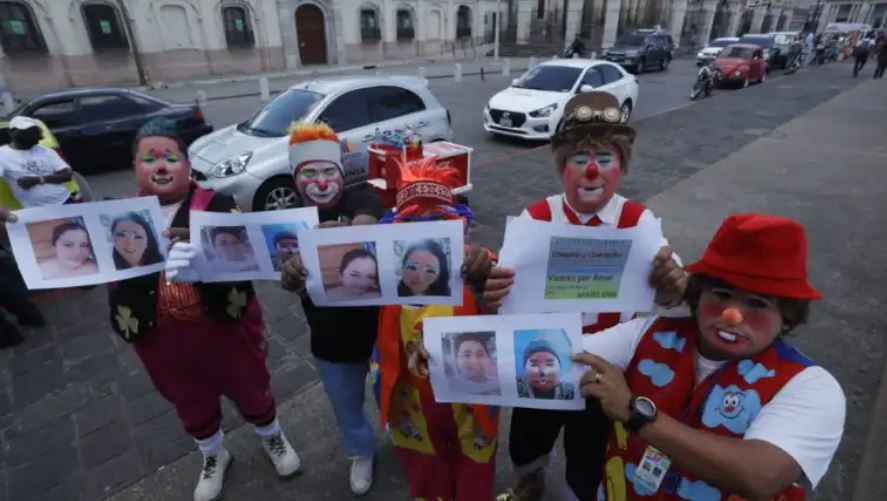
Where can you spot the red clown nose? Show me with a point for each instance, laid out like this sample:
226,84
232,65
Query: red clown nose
322,184
732,316
591,172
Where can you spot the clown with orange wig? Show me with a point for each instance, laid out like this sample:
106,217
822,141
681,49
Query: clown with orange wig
342,339
447,450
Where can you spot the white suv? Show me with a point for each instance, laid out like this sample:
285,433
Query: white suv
250,160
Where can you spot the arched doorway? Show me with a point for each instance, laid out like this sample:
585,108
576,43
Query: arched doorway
745,22
463,22
767,23
311,32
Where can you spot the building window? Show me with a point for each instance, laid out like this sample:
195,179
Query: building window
238,31
540,9
843,15
405,31
463,22
878,14
369,25
103,27
18,30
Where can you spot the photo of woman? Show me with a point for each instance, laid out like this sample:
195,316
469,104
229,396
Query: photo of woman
356,273
424,269
135,243
470,362
542,362
62,248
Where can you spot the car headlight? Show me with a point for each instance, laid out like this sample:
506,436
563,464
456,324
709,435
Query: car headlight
631,53
543,112
231,166
700,54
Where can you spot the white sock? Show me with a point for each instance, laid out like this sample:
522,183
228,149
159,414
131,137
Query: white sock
211,445
269,430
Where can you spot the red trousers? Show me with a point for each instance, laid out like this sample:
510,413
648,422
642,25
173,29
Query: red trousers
192,364
441,447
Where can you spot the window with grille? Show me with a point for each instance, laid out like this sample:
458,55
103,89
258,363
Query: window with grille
463,22
103,27
238,31
405,25
18,30
369,25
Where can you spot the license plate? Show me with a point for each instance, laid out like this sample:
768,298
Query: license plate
505,122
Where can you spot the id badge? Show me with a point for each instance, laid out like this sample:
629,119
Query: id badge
652,469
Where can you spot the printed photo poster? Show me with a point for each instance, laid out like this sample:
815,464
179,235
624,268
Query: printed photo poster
405,263
247,246
90,243
507,360
566,267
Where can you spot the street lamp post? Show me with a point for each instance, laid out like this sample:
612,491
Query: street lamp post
496,31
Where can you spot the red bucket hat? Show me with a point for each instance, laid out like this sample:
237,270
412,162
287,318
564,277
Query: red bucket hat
759,253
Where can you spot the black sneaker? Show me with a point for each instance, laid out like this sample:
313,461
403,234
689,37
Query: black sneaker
9,334
31,318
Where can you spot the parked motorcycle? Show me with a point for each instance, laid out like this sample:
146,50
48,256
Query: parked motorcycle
794,63
706,80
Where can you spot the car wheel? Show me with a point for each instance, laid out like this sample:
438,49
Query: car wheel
640,67
745,83
277,193
665,63
626,111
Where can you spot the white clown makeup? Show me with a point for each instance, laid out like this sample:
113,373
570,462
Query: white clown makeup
319,183
591,177
162,169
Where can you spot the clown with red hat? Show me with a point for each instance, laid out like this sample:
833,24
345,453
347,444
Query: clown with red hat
719,405
446,450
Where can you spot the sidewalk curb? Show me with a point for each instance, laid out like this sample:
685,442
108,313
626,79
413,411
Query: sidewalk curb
322,70
516,71
871,484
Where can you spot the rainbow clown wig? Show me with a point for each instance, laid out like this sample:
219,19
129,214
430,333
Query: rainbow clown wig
313,142
425,193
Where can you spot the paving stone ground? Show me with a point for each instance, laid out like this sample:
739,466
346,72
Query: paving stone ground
80,420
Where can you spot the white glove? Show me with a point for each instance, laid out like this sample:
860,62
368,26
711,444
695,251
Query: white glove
179,267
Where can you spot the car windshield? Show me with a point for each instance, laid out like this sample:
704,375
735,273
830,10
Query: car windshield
736,52
784,39
550,78
275,118
631,40
721,42
762,42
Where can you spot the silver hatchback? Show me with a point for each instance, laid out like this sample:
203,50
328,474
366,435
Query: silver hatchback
250,160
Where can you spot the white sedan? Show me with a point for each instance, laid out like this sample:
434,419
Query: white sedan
533,106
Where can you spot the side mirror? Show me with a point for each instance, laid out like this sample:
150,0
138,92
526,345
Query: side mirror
585,88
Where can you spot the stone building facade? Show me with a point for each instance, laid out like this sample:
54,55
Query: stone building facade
871,12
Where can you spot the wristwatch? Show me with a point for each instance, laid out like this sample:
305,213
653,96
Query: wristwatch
641,411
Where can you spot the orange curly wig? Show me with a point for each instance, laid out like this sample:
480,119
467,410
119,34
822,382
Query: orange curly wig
301,132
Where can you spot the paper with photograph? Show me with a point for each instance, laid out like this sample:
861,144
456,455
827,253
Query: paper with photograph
566,267
87,244
405,263
508,360
247,246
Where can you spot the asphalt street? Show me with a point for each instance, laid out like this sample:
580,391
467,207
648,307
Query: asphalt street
659,92
79,419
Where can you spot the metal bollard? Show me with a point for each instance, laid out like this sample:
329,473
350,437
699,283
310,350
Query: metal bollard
201,98
458,75
264,90
481,72
531,62
8,101
421,72
506,67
